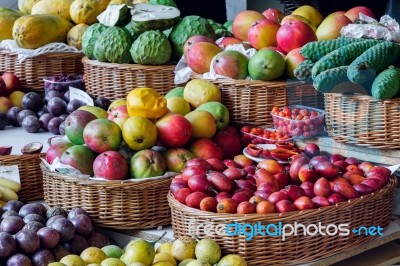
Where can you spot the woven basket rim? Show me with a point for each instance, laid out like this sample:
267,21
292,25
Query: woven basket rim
101,183
21,156
49,54
362,97
196,213
86,60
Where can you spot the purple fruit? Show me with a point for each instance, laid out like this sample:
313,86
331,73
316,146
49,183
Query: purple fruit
44,120
9,213
54,125
27,241
76,211
12,224
65,228
24,113
52,94
49,237
31,124
12,116
76,245
14,205
36,208
56,106
7,245
83,224
32,101
74,105
33,217
3,120
63,116
42,257
66,96
19,260
102,102
34,226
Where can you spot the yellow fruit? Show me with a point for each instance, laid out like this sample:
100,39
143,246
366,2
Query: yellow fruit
16,98
56,264
163,263
165,248
185,262
164,257
203,124
73,260
208,250
184,248
178,105
310,13
25,6
86,11
93,255
146,102
198,263
33,31
139,133
97,111
53,7
199,91
74,37
232,260
7,19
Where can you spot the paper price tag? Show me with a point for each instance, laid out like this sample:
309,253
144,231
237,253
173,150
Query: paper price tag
10,172
78,94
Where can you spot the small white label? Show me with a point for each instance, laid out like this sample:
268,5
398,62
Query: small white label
10,172
78,94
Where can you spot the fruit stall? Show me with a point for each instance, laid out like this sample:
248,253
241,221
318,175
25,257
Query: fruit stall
132,133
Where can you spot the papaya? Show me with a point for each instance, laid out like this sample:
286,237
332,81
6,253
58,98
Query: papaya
33,31
7,19
53,7
25,6
74,37
86,11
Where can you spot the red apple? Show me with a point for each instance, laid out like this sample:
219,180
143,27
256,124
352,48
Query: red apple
102,135
174,130
232,64
243,21
229,143
353,13
330,27
119,115
294,34
195,39
225,41
11,82
176,159
110,165
200,55
273,14
206,149
263,33
5,104
292,59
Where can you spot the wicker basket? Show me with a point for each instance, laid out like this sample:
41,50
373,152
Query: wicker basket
111,204
30,174
362,120
250,102
117,80
33,70
370,210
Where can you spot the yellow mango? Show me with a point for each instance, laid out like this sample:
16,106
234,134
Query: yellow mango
7,19
74,37
86,11
25,6
33,31
53,7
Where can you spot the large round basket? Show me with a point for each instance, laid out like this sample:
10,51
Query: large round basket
111,204
362,120
30,174
370,210
250,102
32,70
117,80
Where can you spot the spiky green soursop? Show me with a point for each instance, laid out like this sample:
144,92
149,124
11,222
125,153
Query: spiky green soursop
134,34
151,48
187,27
153,17
163,2
113,46
90,37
